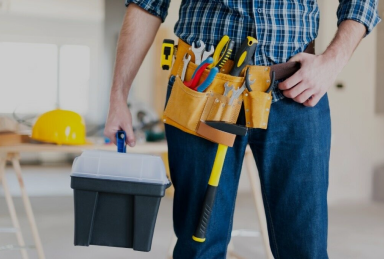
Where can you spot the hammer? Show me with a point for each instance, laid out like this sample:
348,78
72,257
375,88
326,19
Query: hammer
224,134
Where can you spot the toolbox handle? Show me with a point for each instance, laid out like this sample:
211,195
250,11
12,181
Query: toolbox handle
120,141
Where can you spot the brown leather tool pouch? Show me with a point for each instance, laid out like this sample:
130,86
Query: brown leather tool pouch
186,108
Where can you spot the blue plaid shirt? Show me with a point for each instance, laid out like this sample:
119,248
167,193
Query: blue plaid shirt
283,28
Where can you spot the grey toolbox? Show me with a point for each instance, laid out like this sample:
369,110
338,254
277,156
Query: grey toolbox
117,197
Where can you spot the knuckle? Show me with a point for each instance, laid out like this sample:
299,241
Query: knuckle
283,85
287,94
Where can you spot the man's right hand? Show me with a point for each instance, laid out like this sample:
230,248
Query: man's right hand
136,36
119,118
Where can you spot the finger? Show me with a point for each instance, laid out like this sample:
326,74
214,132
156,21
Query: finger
311,102
291,81
112,138
295,91
304,96
130,140
110,134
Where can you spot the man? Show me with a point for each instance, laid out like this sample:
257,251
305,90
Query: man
292,155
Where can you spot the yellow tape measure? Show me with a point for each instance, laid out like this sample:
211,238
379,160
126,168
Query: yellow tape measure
167,54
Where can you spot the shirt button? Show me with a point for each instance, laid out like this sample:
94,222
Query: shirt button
259,10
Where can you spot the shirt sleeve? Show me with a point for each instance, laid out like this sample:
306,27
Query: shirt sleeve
158,8
362,11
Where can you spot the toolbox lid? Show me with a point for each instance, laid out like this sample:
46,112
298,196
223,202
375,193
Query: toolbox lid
120,166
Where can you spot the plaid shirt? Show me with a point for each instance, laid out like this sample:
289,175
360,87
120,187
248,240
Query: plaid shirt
283,28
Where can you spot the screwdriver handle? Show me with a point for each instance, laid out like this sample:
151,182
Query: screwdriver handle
219,49
243,55
204,85
226,55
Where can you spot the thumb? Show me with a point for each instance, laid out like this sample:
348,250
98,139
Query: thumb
296,58
131,141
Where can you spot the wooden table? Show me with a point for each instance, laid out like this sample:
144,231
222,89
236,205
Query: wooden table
12,154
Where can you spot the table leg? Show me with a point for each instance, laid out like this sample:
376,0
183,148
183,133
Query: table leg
11,207
28,208
257,196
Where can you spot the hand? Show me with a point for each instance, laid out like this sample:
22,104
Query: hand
119,118
312,80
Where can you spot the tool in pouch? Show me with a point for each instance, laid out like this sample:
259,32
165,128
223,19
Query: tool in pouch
197,74
213,183
223,52
220,56
200,232
242,58
246,85
186,60
200,53
243,55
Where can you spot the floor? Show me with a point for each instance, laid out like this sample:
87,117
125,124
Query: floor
356,231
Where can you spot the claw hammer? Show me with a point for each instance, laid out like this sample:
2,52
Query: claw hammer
224,134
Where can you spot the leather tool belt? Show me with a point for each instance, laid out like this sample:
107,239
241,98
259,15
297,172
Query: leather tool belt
186,108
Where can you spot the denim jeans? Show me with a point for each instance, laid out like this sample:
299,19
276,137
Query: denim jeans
292,158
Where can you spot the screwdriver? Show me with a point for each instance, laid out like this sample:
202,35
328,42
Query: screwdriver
243,55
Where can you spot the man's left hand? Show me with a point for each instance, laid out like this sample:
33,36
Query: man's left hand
312,80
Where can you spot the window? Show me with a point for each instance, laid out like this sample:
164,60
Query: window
28,76
74,77
38,77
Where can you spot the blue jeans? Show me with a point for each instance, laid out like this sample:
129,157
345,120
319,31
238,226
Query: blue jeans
292,158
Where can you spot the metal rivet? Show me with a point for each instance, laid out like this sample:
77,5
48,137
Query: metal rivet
248,123
267,109
247,110
266,69
164,120
223,70
246,94
268,81
269,98
217,100
223,105
264,123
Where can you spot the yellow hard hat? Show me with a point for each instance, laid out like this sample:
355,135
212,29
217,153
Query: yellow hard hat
61,127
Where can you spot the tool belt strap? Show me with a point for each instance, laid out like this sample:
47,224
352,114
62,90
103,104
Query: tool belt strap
282,70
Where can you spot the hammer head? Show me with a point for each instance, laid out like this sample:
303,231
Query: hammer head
228,127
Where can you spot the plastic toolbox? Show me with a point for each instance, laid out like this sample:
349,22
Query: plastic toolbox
117,197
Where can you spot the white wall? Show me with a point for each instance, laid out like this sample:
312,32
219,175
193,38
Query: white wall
358,133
